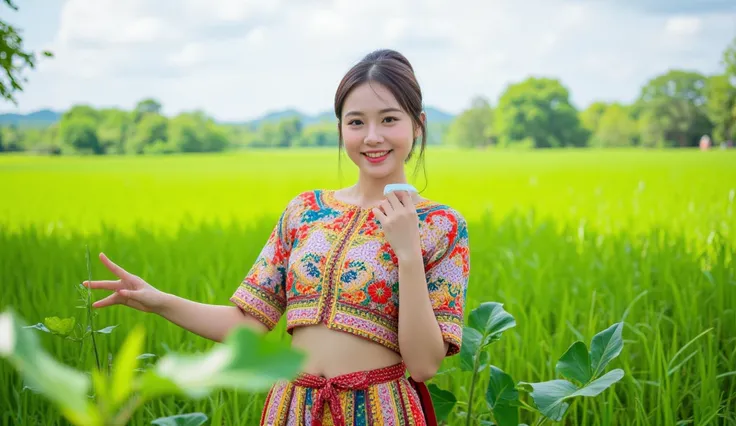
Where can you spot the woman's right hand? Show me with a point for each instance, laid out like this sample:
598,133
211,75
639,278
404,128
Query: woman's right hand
129,290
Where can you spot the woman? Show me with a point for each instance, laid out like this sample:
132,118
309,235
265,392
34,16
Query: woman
336,263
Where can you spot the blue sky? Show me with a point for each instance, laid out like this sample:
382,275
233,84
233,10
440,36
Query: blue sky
238,59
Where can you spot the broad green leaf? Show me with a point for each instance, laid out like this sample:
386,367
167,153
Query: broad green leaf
189,419
245,361
469,347
506,415
64,386
106,330
550,397
502,397
575,364
605,346
602,383
442,400
125,365
60,326
490,319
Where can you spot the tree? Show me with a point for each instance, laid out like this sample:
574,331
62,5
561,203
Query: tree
195,132
591,116
14,59
473,127
721,107
150,135
729,60
615,128
78,130
289,131
319,135
114,129
537,112
673,105
80,134
146,106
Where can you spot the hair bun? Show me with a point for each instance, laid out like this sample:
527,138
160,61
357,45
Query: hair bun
387,55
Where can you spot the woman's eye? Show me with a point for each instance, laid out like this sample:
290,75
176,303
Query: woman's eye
355,122
390,119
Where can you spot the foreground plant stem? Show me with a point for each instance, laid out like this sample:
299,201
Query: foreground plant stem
127,411
476,359
90,317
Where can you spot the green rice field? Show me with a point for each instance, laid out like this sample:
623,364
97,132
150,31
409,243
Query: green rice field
569,241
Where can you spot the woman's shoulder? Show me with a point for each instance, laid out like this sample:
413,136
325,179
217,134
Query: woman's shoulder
431,210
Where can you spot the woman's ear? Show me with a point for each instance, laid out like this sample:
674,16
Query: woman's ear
422,123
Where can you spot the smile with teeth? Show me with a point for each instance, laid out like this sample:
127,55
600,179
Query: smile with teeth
377,154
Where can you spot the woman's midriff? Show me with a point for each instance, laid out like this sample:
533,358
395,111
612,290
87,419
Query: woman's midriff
332,353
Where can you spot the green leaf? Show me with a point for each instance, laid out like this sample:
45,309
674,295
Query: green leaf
245,361
125,365
190,419
575,364
469,347
550,397
106,330
64,386
442,400
602,383
490,319
60,326
502,397
605,346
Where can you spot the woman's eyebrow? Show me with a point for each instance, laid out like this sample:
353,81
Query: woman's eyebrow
383,111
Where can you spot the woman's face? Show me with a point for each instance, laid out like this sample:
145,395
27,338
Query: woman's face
377,133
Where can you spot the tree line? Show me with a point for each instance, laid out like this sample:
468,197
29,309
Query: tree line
674,109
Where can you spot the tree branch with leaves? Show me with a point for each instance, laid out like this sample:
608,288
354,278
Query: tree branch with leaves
14,59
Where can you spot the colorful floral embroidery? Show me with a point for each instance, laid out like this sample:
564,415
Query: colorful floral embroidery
328,261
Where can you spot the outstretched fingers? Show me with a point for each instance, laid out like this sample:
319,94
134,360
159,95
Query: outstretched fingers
115,269
113,299
104,284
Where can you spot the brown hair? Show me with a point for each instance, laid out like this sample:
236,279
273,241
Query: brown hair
391,69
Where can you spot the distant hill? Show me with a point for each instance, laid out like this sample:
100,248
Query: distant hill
438,116
42,118
47,117
434,115
279,115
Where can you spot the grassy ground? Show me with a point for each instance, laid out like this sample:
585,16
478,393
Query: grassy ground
569,241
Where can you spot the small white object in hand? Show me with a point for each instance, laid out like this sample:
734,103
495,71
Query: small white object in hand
398,187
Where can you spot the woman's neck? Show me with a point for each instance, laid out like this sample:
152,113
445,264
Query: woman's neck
369,191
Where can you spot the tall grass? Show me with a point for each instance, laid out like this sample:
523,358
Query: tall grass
569,241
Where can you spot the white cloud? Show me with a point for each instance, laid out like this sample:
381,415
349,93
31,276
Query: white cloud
683,26
238,59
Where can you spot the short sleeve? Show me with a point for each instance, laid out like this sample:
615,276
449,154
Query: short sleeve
262,293
447,275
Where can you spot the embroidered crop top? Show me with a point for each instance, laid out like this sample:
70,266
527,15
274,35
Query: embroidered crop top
328,261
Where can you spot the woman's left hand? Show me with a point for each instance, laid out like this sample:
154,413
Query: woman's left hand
400,222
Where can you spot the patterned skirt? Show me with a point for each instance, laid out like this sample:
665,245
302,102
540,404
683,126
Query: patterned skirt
376,397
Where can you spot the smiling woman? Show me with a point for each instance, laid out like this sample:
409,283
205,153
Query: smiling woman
380,116
335,264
